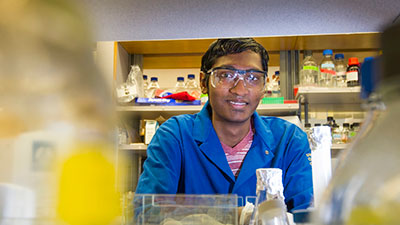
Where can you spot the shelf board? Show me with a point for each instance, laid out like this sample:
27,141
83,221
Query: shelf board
337,148
153,111
136,147
349,41
166,54
325,95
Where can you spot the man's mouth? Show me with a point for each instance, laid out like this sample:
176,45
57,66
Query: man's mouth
236,103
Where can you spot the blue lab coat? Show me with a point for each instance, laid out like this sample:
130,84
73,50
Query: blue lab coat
186,156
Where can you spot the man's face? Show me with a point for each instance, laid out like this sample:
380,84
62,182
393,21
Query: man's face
237,103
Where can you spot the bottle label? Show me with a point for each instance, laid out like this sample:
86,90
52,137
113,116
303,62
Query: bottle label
341,73
327,65
328,71
310,68
336,136
352,75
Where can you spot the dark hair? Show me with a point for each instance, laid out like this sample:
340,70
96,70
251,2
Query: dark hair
222,47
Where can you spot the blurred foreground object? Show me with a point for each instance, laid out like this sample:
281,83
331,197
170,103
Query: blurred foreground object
155,209
56,119
365,189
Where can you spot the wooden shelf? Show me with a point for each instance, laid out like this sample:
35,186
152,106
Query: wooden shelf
154,111
324,95
164,54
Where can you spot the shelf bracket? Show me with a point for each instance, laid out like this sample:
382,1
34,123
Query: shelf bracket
289,72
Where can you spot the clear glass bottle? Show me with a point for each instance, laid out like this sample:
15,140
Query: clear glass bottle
275,85
365,188
327,69
270,208
345,132
339,79
309,70
153,86
354,129
192,87
336,134
145,82
353,73
180,84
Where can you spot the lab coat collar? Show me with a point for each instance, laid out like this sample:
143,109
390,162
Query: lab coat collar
202,124
209,142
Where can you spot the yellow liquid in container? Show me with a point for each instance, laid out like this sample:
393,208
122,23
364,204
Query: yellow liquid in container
87,192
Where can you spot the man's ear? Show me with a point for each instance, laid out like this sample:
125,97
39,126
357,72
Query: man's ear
203,83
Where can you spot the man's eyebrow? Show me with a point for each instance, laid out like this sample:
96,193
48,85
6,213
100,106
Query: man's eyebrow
232,67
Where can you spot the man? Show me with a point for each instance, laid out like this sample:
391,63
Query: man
218,150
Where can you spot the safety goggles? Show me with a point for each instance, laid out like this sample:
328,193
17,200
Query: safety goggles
229,77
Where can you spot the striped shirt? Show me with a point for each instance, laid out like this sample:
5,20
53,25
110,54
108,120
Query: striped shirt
235,155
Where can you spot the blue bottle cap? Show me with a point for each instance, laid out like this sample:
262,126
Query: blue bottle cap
277,73
370,76
339,56
327,52
180,79
144,77
154,79
190,76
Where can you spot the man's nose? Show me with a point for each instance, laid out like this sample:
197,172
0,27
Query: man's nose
239,87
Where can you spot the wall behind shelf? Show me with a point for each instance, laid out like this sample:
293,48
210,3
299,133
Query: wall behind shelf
182,19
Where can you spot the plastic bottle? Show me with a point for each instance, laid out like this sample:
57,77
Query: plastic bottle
192,87
339,80
309,71
327,69
353,73
365,188
180,85
153,86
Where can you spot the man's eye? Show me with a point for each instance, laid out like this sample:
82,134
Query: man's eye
252,77
227,74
